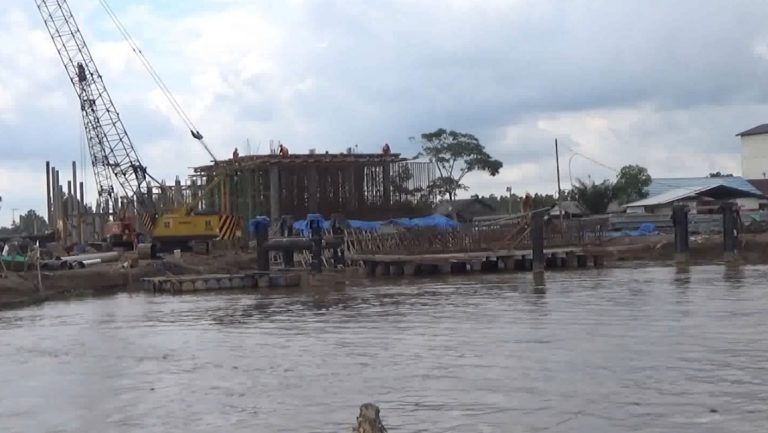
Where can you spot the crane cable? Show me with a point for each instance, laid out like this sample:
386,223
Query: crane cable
156,77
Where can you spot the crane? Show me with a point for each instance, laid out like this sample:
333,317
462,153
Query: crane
111,150
112,153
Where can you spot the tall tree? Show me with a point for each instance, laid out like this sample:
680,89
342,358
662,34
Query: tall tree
455,154
631,184
594,197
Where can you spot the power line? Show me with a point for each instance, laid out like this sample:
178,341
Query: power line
156,77
593,160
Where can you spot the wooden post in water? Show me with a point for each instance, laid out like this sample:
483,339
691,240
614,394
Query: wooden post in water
261,232
316,229
286,231
369,420
537,240
729,229
680,224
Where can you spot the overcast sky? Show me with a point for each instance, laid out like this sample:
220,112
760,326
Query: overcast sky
665,84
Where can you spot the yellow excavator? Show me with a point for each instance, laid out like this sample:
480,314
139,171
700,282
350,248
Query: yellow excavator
186,228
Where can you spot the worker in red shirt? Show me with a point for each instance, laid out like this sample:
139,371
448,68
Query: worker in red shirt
527,203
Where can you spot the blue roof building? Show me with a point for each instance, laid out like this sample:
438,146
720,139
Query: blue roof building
699,192
662,185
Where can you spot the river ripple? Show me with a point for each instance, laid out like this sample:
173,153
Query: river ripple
653,350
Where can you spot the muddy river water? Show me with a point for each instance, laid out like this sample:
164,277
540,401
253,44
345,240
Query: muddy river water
614,350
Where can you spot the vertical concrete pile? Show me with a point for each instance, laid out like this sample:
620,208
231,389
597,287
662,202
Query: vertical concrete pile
67,214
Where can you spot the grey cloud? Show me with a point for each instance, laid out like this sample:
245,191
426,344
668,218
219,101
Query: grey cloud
388,71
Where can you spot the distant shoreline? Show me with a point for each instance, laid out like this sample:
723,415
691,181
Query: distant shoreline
19,290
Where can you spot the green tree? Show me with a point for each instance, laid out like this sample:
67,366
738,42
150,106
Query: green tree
595,198
631,184
718,174
455,154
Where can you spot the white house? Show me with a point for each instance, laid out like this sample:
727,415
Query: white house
754,152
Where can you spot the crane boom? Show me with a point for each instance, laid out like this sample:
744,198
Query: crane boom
111,150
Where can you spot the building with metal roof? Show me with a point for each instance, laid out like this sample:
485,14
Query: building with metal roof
704,198
754,152
662,185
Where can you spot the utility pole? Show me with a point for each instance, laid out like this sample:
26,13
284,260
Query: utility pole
509,191
559,190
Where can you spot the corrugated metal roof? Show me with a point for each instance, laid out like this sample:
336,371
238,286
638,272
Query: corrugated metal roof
662,185
718,191
757,130
667,197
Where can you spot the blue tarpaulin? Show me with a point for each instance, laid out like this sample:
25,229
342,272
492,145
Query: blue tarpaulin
367,226
433,221
646,229
302,226
256,222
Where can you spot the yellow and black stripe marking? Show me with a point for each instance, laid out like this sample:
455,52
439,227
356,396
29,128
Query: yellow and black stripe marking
229,227
148,221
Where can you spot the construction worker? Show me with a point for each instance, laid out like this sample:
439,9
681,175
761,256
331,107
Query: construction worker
235,155
282,150
386,150
527,202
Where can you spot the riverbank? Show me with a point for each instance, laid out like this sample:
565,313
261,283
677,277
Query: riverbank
21,289
704,250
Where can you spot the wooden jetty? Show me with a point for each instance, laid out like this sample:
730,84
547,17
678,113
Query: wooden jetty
479,261
247,280
527,242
